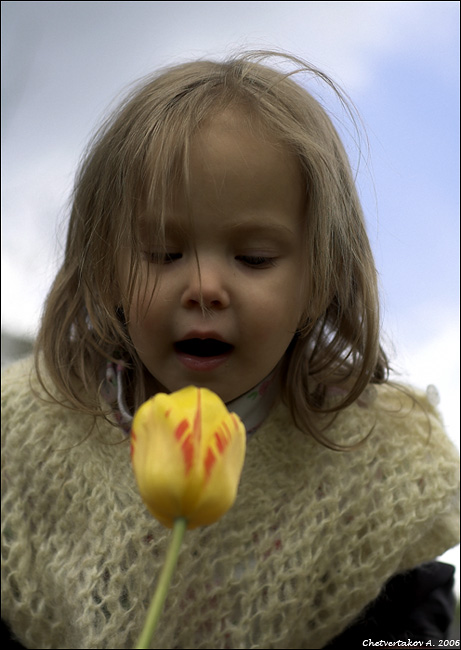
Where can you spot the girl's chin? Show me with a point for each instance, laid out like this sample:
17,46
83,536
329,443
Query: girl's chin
225,391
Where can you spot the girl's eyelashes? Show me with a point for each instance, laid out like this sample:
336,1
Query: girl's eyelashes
253,261
257,261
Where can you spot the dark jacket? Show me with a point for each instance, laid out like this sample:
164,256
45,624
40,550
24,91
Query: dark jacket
418,606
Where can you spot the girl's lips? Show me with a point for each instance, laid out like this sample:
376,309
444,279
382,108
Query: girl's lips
202,364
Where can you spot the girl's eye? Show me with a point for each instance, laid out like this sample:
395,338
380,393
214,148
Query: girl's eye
162,258
256,261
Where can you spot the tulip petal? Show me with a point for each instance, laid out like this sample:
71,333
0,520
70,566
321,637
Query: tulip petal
222,464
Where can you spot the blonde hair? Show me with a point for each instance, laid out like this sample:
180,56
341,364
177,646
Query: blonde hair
137,159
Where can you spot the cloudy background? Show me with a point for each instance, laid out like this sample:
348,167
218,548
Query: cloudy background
64,63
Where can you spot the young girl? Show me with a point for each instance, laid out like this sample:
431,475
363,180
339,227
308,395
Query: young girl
216,239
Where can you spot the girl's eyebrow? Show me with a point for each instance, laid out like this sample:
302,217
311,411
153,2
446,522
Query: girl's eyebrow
250,228
261,229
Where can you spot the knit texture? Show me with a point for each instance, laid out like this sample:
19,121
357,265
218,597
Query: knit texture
311,540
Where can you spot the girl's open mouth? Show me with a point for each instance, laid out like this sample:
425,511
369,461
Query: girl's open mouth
203,347
202,354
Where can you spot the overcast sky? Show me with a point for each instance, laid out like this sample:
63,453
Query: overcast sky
64,63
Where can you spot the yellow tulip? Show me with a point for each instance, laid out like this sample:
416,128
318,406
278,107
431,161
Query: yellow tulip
187,453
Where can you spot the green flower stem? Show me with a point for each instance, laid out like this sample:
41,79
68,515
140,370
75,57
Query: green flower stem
158,600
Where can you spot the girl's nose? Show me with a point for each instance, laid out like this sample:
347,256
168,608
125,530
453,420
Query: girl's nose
206,287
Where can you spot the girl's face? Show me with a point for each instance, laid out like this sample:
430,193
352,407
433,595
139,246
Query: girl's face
230,291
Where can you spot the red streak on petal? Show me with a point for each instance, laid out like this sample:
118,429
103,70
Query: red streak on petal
167,413
187,448
222,440
210,460
182,426
219,442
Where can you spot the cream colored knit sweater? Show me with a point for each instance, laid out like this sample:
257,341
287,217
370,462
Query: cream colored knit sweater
312,538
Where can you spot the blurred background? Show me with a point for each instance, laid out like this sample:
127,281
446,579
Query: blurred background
65,63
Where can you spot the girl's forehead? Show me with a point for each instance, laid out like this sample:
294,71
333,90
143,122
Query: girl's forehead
230,164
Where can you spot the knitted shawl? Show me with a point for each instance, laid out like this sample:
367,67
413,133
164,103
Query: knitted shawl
310,542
